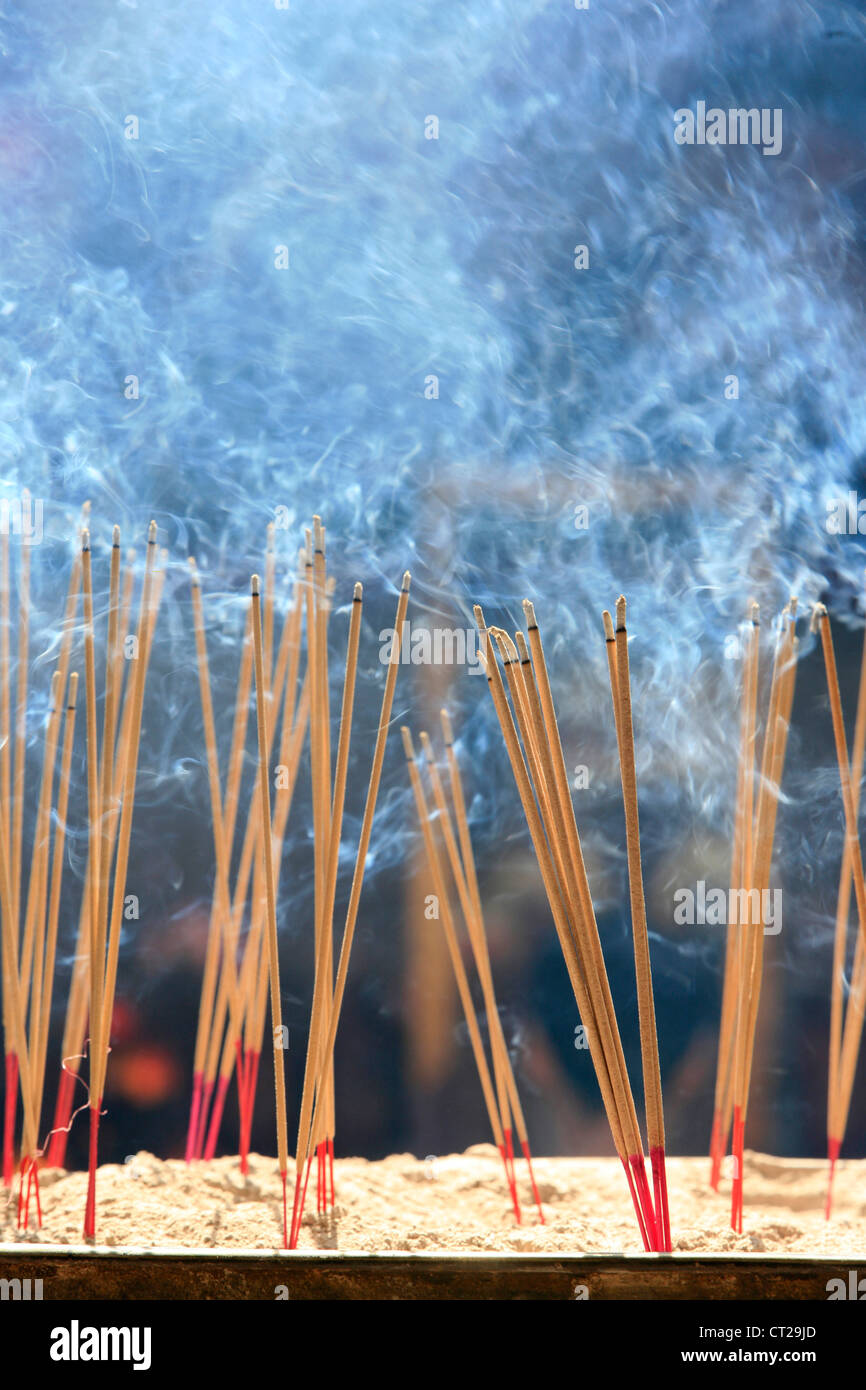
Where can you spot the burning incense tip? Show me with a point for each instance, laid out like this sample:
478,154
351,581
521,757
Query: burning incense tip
407,580
479,617
529,613
194,575
254,586
818,612
427,746
447,731
508,644
115,538
756,614
359,590
151,533
620,612
408,746
610,635
522,648
85,538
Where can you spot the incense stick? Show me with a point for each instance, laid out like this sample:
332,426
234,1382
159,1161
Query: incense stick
97,940
741,868
20,728
621,693
267,851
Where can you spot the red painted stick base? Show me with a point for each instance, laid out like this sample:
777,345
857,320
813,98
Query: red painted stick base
194,1112
508,1160
646,1201
9,1117
216,1117
637,1206
660,1189
90,1205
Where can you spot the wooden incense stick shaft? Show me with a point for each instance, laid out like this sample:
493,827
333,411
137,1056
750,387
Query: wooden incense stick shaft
267,853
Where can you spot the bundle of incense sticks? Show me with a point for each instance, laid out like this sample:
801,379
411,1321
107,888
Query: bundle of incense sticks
532,738
846,1023
232,1008
241,973
30,924
111,782
75,1027
29,957
505,1100
316,1121
754,837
